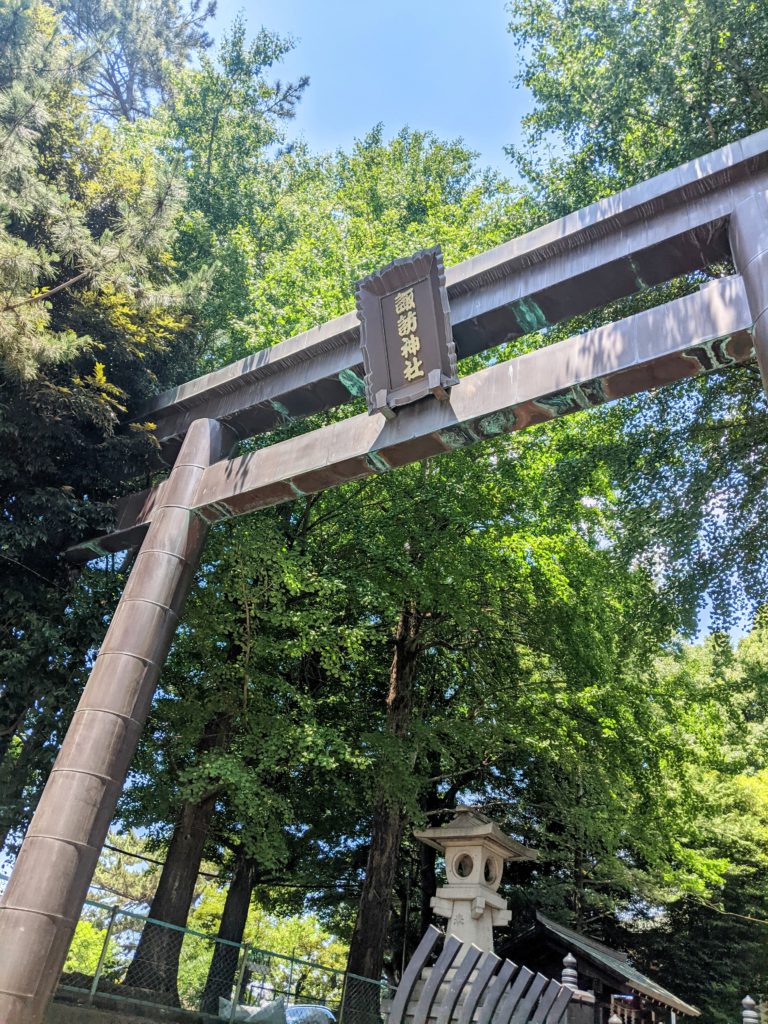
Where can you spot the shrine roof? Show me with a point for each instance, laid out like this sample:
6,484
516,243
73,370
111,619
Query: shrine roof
613,963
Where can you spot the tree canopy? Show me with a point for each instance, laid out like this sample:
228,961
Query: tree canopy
512,625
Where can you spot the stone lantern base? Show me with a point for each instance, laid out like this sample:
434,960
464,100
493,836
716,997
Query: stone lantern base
473,911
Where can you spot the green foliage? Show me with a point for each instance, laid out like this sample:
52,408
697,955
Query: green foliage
291,629
677,875
534,639
225,120
625,90
80,209
92,321
352,213
86,948
307,968
725,823
127,872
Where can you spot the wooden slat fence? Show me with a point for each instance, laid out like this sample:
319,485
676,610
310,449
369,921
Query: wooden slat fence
483,988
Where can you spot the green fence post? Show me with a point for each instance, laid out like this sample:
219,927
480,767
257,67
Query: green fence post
343,1003
290,976
103,954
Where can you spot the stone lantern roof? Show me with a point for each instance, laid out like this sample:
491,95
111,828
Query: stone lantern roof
471,824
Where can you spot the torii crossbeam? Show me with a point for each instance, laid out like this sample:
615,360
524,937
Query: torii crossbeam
706,213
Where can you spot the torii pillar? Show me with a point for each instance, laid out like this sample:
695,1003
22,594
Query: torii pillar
41,906
475,851
748,235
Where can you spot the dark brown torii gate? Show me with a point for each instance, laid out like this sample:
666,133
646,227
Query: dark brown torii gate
687,219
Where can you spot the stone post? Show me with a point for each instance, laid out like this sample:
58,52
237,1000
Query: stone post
570,976
749,1014
581,1009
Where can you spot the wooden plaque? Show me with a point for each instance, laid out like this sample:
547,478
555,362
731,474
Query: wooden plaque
405,329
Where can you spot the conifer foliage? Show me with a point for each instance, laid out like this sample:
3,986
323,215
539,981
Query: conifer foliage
84,209
93,320
500,626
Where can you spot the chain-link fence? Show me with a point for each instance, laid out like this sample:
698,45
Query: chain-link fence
120,957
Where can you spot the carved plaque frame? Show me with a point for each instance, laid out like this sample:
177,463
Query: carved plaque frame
387,384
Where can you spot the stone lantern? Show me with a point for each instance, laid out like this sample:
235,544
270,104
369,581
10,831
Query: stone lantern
475,851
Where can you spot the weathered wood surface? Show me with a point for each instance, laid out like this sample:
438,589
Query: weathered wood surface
460,980
704,331
438,974
412,973
500,985
489,968
496,992
669,225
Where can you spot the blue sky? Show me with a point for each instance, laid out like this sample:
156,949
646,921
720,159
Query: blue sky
444,65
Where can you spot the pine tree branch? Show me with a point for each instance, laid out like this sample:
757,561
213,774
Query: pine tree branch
47,294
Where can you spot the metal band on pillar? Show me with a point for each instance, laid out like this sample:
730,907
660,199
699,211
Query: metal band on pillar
42,903
749,244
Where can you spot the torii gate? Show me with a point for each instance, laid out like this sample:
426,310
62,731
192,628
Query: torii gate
684,220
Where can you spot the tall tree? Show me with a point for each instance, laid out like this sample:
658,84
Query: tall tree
234,916
626,90
372,558
78,220
622,91
221,110
155,963
135,46
226,118
91,323
106,302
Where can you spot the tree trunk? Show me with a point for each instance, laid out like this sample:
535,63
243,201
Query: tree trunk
221,974
431,802
155,963
14,780
366,951
428,879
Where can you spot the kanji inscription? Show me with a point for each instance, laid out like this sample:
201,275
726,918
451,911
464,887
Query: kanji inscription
406,339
